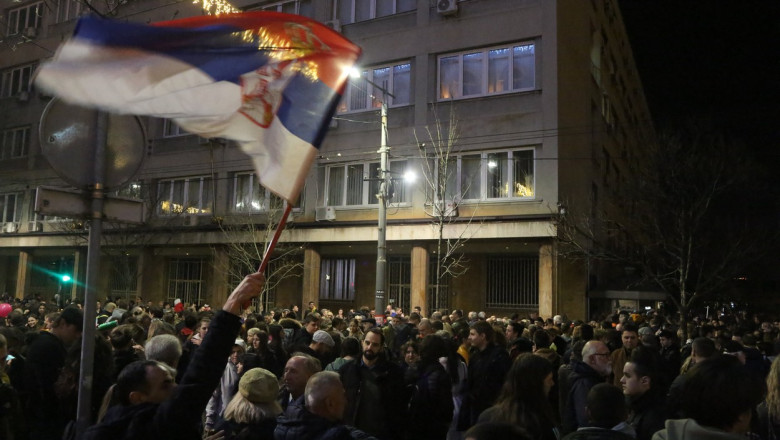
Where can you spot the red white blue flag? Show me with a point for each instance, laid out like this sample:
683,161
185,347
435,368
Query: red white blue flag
269,81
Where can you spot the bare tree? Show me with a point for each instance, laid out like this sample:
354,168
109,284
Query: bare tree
246,239
442,201
681,220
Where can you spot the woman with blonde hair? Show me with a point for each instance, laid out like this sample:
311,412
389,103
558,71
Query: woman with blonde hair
252,412
767,425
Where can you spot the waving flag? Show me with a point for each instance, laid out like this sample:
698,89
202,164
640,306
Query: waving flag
269,81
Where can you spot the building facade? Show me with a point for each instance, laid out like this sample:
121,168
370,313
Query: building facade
508,111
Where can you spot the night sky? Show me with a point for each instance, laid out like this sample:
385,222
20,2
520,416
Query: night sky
719,59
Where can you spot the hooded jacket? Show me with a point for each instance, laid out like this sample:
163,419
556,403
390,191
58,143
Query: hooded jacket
581,380
688,429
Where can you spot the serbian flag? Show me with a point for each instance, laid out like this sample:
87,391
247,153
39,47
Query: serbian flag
269,81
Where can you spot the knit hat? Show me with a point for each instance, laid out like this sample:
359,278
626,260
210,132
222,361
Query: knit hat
260,387
324,337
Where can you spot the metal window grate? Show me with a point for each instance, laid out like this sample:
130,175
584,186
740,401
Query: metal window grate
512,281
185,280
399,282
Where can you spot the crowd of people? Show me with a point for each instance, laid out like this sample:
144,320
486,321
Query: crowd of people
173,371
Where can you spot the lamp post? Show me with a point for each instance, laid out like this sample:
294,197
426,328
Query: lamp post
381,245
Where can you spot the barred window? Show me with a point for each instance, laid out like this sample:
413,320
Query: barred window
337,279
512,281
399,282
185,280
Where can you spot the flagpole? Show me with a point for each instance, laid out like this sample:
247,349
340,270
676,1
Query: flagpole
272,244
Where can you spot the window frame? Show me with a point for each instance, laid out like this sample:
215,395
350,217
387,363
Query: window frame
18,202
484,71
174,280
349,17
522,282
9,139
279,6
483,183
370,184
14,27
373,93
253,184
13,86
337,279
202,180
68,10
171,129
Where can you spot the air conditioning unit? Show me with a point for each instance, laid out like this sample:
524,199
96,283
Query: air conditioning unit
447,7
34,227
445,209
324,213
30,32
10,228
334,24
23,96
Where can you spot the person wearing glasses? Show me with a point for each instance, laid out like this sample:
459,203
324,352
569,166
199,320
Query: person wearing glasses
595,368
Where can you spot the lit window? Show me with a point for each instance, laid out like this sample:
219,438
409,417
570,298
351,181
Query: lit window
16,143
192,195
358,184
487,72
362,95
249,196
505,174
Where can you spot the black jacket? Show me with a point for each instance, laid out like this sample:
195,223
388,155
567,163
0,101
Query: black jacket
647,415
486,373
580,382
179,417
299,424
430,406
376,398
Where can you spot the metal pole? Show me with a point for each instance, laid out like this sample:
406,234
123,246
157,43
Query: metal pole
84,409
381,247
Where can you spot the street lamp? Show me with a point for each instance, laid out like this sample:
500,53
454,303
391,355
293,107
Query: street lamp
382,196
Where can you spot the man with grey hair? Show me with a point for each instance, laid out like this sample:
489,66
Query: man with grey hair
297,372
322,415
595,368
164,348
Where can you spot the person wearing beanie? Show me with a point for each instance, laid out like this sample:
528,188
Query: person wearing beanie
252,412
